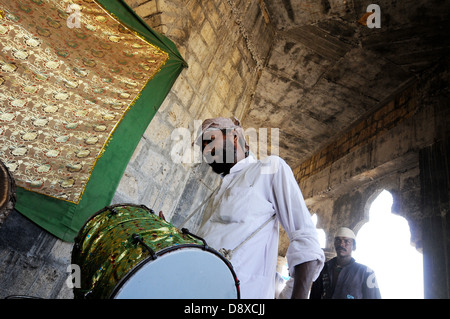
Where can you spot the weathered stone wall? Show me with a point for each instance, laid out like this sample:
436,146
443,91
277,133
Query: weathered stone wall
340,181
225,44
435,195
364,132
378,153
402,147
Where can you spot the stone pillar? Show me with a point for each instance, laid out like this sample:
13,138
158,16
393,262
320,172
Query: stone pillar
434,175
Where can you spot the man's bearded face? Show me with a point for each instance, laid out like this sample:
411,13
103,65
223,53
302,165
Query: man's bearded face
220,150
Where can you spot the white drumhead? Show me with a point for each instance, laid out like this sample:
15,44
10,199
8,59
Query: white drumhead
186,273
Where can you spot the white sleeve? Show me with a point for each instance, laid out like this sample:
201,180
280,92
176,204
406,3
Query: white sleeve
295,218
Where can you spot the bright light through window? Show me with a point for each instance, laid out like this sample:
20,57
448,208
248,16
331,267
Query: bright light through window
383,244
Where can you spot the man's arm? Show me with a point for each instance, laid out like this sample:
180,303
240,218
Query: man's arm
303,278
370,287
304,255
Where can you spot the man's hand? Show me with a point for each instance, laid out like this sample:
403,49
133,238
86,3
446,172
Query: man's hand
303,279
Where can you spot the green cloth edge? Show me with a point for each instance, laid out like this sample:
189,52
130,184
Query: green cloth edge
64,219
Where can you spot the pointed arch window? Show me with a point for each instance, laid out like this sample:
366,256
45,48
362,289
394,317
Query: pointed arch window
384,244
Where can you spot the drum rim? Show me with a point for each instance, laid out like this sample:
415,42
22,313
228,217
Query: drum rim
109,207
78,239
9,196
160,253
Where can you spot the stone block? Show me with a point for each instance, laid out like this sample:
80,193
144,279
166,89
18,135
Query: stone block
215,104
157,134
208,34
128,188
146,9
196,12
136,3
222,87
212,13
198,47
168,5
177,117
195,72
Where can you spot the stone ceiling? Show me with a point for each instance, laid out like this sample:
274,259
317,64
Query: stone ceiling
326,69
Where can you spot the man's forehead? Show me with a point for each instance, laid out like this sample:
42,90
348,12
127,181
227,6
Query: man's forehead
216,131
211,132
342,237
212,129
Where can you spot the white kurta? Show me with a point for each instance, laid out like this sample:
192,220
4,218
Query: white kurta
249,195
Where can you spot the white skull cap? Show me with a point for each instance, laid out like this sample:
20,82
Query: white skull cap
345,232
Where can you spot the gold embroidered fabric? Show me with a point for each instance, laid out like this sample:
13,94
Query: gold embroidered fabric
67,77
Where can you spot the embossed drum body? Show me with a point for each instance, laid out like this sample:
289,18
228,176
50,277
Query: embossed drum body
126,251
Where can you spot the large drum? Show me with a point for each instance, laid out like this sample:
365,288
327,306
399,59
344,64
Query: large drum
127,252
7,192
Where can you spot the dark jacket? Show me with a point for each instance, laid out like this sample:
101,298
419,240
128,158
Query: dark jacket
355,281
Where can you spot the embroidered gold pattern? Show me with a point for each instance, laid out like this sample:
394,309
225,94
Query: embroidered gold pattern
63,90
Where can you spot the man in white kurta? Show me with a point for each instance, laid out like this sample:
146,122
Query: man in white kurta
251,193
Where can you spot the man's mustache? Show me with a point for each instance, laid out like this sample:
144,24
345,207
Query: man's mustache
341,248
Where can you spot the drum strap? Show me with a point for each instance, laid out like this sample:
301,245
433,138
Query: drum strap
198,208
228,253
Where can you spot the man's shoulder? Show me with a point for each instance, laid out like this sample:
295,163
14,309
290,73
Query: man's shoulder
363,267
273,164
272,158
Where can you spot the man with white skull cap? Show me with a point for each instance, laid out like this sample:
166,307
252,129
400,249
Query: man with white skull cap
342,277
241,219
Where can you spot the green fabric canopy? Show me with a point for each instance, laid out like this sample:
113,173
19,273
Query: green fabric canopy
63,218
